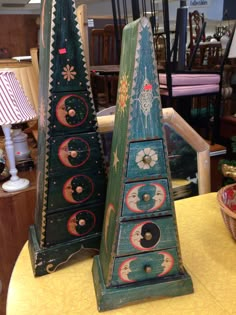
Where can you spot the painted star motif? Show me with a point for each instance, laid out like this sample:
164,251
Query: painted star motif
115,159
68,72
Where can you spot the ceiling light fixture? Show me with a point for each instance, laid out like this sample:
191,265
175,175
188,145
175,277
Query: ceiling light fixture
34,1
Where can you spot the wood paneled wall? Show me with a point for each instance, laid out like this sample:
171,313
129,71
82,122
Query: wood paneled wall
18,33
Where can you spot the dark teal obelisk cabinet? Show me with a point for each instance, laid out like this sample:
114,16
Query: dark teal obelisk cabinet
140,253
71,181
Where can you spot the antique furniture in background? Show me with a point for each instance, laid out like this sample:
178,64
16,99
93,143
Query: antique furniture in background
201,230
71,180
98,81
196,20
16,215
139,230
82,16
18,33
103,52
179,87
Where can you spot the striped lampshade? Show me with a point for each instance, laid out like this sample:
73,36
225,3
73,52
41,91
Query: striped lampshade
14,105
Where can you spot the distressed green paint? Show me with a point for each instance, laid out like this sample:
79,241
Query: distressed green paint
145,266
67,50
64,226
146,198
133,234
117,296
46,260
84,119
153,151
124,136
69,152
71,180
119,142
62,189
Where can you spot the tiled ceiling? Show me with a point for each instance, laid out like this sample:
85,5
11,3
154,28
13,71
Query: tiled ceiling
22,6
18,6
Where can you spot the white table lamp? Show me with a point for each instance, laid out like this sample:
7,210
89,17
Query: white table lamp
14,108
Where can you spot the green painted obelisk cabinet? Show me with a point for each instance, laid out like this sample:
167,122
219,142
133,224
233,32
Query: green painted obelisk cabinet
140,254
71,181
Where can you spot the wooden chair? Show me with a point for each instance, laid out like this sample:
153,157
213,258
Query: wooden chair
82,16
111,57
179,86
103,51
196,20
98,82
110,49
160,49
97,47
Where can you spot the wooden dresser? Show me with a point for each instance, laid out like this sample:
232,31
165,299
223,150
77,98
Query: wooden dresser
16,214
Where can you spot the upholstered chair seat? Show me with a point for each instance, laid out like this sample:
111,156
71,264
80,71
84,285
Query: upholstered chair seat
190,84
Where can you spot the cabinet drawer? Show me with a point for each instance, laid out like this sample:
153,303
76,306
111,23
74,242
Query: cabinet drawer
158,264
146,197
71,113
80,151
146,235
146,159
66,190
73,223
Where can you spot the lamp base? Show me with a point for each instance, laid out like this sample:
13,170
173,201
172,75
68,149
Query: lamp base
11,186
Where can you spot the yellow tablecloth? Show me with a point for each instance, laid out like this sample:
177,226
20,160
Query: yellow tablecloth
208,252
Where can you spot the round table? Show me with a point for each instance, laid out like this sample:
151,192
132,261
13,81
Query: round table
208,253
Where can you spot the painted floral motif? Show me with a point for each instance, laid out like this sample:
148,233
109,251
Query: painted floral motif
146,98
68,73
146,158
123,92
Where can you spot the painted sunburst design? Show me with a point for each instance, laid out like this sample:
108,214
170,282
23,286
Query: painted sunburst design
68,73
123,93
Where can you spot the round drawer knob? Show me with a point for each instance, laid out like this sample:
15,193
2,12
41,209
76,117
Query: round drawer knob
71,112
82,222
73,154
147,159
148,269
148,236
79,189
146,197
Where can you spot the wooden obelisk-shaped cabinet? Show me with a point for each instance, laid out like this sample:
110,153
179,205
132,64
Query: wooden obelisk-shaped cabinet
71,181
140,253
